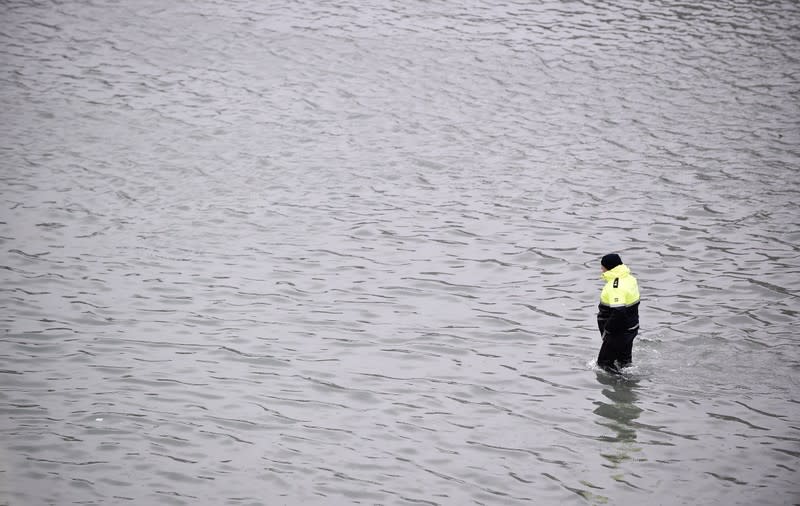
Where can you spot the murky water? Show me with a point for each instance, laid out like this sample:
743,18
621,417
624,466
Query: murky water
347,252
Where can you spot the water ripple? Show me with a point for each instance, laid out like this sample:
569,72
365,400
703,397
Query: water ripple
350,251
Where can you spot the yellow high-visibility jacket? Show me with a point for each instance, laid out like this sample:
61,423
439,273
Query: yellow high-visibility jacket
619,303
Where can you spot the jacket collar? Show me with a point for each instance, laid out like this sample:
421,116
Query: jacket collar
619,271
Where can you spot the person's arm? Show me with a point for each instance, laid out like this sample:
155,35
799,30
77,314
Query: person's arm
610,320
604,314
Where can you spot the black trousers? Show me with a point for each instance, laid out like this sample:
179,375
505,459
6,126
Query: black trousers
616,351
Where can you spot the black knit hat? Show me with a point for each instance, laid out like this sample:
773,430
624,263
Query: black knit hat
610,261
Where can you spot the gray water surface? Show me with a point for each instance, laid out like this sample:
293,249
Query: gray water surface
348,252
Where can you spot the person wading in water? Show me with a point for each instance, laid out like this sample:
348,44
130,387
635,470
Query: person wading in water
618,315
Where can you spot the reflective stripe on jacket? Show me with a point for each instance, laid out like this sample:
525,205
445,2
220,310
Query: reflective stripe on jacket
619,302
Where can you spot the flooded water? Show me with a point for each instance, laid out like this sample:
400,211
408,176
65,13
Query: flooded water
348,252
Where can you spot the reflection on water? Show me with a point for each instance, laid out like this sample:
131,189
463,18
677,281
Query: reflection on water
619,414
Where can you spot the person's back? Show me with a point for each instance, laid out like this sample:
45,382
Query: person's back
618,314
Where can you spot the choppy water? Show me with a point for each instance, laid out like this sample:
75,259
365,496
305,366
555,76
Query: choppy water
347,252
